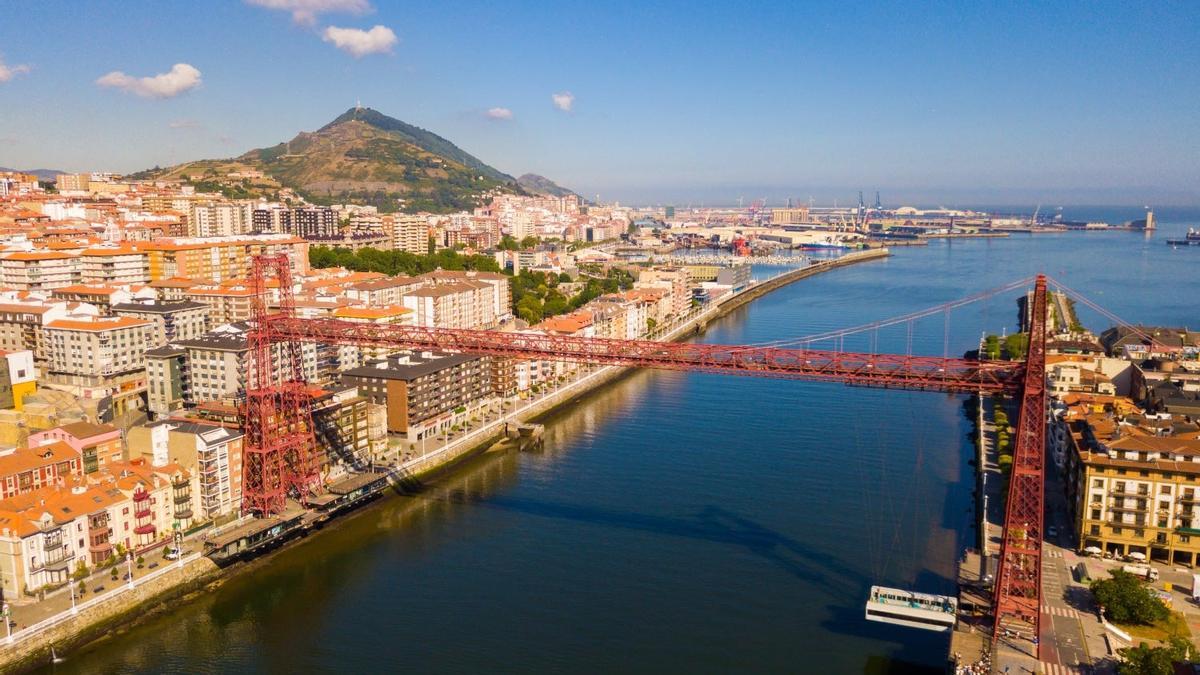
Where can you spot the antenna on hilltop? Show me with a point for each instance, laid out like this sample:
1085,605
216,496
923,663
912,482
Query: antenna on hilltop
358,105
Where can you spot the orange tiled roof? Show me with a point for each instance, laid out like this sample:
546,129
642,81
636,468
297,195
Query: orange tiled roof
98,324
370,312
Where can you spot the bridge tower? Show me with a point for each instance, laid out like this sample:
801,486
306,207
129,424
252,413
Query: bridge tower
1018,583
278,448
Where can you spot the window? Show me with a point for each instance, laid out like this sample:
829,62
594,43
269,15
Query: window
1095,514
1116,530
1166,490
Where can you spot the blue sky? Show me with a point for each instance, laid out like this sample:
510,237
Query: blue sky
673,101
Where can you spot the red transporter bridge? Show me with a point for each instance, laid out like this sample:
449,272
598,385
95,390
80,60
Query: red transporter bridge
280,440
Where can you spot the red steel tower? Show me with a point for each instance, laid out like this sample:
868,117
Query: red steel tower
1018,582
278,450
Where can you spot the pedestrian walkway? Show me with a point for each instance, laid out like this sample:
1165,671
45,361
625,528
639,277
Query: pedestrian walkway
1060,611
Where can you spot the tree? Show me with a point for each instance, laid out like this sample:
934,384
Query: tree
991,347
529,242
1017,345
1146,660
140,562
564,278
1005,463
508,243
81,570
1127,600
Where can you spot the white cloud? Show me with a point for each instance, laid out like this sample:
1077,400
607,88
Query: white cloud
306,11
182,77
498,114
184,124
9,72
563,100
359,43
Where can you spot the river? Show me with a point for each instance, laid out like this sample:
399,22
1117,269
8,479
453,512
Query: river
677,522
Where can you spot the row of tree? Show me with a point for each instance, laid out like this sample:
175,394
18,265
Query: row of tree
392,262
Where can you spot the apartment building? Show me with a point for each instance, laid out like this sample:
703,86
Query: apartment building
23,324
41,463
425,393
39,270
1134,492
103,297
211,453
45,534
220,219
344,440
98,445
353,356
217,365
386,291
310,222
216,259
674,280
409,232
99,357
499,293
114,264
180,320
226,303
466,304
167,380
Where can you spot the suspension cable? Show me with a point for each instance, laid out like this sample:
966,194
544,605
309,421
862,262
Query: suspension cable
876,325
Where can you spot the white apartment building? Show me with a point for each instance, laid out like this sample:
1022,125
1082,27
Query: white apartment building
95,357
409,232
179,320
218,219
39,270
467,304
122,264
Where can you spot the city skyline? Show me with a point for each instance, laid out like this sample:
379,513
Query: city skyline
640,104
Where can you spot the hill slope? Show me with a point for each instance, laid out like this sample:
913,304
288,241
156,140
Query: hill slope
543,186
366,157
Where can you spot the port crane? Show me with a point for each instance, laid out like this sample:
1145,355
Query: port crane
277,413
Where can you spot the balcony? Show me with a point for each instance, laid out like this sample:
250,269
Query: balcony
1193,499
183,499
1121,492
142,513
183,514
1117,522
148,528
1129,509
102,548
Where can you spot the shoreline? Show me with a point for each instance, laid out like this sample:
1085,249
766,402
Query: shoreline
114,615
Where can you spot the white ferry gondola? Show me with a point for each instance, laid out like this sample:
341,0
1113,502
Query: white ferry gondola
915,610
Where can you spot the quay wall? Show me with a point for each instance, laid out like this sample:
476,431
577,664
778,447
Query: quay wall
154,595
110,615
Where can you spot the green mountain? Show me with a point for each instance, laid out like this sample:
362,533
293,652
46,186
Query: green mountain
543,186
362,157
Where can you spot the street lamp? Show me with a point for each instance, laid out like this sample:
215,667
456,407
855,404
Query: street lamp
7,621
129,568
71,585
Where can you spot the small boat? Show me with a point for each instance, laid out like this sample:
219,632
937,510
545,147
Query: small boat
915,610
54,657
